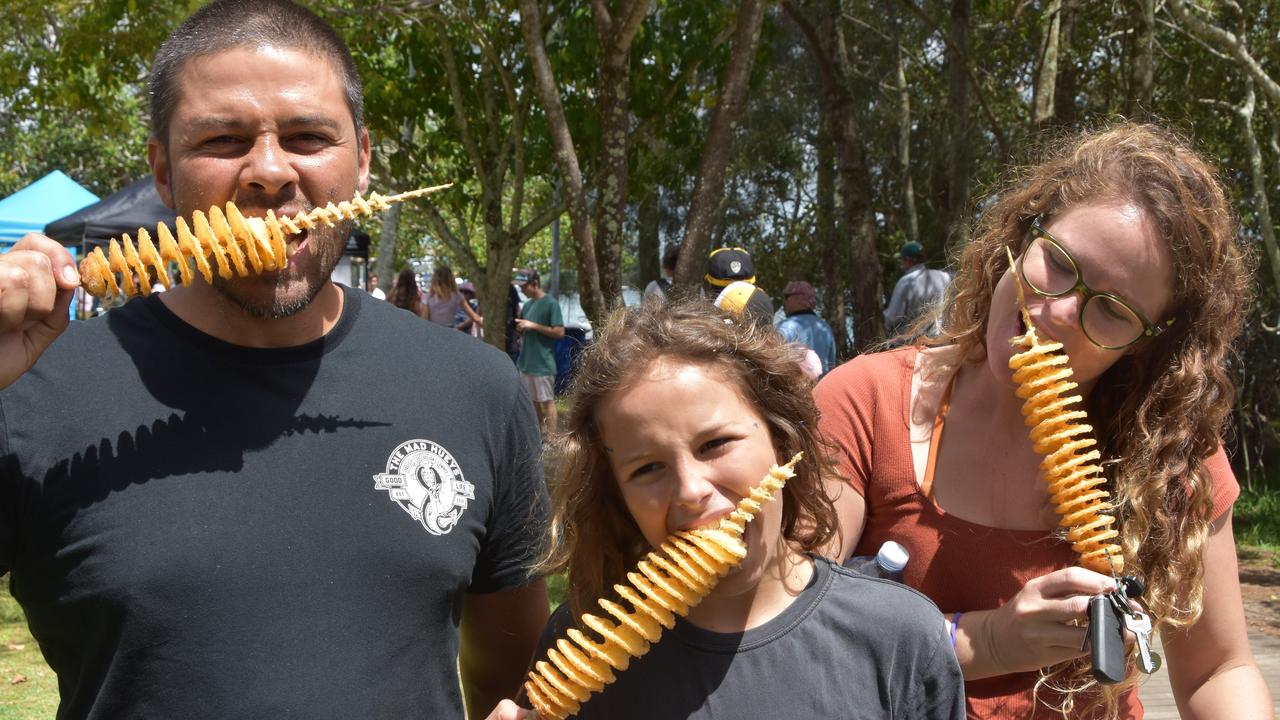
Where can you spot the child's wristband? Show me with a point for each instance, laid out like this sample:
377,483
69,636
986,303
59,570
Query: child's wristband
955,623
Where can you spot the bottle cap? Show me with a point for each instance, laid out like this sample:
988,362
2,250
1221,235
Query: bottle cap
892,556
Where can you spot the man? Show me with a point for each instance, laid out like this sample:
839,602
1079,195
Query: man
541,325
374,290
221,515
661,286
802,324
917,291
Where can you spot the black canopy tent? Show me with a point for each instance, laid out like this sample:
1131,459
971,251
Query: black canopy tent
136,206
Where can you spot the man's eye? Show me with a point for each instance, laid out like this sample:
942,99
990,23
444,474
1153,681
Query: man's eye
309,140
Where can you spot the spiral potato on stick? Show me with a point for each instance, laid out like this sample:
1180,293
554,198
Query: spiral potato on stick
1060,432
670,581
237,244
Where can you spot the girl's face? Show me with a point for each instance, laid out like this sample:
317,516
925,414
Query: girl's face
685,446
1118,251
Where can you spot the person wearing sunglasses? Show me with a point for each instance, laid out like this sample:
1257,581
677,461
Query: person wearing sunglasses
1126,251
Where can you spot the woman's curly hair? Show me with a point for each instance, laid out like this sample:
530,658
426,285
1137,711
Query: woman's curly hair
1160,411
593,537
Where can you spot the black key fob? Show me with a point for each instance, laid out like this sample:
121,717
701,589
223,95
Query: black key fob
1106,640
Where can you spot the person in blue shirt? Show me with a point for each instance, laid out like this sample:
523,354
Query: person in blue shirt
802,324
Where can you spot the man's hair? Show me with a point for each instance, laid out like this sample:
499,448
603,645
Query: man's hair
225,24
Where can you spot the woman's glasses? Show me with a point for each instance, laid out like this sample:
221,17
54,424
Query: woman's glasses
1109,321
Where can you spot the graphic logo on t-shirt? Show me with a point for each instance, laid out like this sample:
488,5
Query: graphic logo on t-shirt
424,479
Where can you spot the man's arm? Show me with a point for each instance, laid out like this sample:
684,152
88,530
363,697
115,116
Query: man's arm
500,632
555,332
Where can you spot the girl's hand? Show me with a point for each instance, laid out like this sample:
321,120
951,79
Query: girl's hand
508,710
1044,624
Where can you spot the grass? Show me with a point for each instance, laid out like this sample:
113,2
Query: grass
28,688
1256,521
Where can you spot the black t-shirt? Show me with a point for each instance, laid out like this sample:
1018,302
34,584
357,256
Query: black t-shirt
202,530
849,647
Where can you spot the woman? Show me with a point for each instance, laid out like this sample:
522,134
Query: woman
1133,213
677,414
444,300
405,293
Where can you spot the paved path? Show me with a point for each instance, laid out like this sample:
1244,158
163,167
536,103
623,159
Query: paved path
1158,699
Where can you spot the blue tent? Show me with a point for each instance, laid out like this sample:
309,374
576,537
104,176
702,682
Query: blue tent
31,208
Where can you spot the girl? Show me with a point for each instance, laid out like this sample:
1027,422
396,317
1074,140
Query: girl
1127,255
444,301
405,293
677,412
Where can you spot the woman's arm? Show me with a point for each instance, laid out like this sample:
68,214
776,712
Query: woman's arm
1211,666
475,317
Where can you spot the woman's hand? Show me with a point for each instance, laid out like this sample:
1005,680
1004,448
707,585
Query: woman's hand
1043,624
508,710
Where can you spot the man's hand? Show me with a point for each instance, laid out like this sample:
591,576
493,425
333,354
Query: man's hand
508,710
38,279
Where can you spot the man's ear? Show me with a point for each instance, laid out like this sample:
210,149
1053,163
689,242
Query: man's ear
158,159
362,172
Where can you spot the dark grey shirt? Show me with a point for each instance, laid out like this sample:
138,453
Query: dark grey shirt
850,646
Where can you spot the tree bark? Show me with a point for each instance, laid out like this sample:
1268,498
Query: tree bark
1142,84
709,186
1047,77
911,224
592,299
1259,178
615,31
828,239
957,225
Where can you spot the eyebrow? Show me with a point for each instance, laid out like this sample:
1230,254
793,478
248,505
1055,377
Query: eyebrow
233,123
1075,256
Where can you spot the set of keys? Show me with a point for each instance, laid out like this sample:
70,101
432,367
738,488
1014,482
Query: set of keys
1110,614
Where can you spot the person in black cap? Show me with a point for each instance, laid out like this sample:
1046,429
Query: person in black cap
729,265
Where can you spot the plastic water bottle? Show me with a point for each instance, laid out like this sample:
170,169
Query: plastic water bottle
888,563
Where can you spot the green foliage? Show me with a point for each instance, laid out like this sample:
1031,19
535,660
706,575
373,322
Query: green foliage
1256,518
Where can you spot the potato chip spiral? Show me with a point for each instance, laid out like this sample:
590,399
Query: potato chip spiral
225,234
1059,433
671,580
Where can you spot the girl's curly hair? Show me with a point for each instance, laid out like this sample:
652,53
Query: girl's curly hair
1161,410
593,537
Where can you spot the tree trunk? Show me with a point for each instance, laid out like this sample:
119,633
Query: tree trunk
957,224
387,246
716,151
648,255
593,301
611,207
1143,80
911,223
828,240
1047,77
1259,177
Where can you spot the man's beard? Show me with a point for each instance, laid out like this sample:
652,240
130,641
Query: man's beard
324,246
